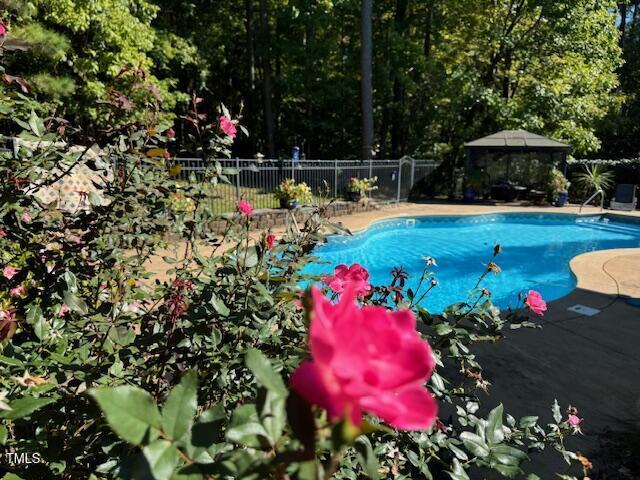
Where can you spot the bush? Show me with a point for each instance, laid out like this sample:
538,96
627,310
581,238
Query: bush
110,372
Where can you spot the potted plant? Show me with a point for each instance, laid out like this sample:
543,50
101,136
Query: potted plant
558,187
291,194
473,187
358,188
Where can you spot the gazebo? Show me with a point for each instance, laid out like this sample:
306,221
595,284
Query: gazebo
514,158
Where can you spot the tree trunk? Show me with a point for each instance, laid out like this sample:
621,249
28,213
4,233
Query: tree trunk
266,73
397,126
366,92
251,73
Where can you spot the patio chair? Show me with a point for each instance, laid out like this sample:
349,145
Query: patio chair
625,197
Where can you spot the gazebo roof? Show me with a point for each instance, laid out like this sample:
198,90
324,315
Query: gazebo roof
516,139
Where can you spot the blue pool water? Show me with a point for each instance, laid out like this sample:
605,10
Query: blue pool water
536,250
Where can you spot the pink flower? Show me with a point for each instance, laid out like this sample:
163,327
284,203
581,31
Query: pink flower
344,276
26,217
3,30
18,292
366,359
227,126
171,133
271,240
3,233
535,303
9,272
64,309
245,208
574,420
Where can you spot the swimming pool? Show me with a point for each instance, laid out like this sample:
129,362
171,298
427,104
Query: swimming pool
536,250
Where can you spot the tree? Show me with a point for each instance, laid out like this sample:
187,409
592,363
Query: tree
366,92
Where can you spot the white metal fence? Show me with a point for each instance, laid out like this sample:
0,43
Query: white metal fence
257,179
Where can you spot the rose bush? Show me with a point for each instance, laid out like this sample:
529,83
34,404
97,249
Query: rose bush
211,370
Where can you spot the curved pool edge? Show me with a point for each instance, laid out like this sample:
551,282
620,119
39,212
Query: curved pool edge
610,272
443,210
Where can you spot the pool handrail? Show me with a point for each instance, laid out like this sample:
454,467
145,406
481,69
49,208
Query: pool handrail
599,191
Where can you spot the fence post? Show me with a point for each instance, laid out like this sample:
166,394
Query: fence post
238,179
413,174
399,179
335,179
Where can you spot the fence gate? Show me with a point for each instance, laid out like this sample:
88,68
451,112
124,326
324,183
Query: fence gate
406,179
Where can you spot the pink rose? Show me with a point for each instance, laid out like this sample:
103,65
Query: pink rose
3,30
227,126
366,359
535,303
3,233
18,292
270,239
245,208
26,217
63,310
574,420
343,276
171,133
9,272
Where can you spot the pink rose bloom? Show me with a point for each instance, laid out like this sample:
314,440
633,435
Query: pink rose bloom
26,217
63,310
343,276
227,126
271,239
535,303
18,292
367,359
3,30
171,133
245,208
9,272
574,420
3,233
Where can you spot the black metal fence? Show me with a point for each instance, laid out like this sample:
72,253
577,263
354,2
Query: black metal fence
256,179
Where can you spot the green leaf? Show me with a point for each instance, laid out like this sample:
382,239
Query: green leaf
367,457
180,407
528,422
25,406
475,444
75,303
507,455
245,427
507,470
458,472
264,373
130,411
219,305
36,125
555,409
272,413
4,433
162,457
494,432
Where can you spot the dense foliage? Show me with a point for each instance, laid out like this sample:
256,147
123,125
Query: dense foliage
444,71
109,371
